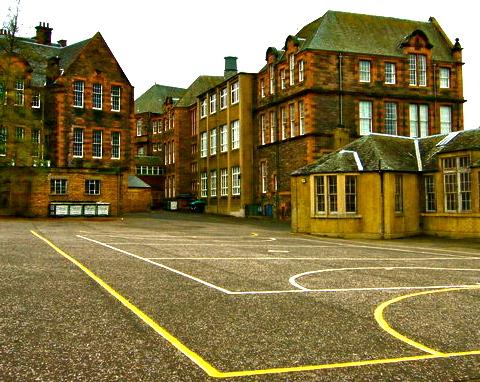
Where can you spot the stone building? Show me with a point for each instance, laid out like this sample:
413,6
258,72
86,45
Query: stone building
67,123
346,75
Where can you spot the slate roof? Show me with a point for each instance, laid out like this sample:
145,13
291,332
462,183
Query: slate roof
154,98
379,152
136,182
37,55
199,86
367,34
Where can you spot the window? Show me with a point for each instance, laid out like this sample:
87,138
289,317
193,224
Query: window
203,184
115,98
203,108
3,93
234,93
301,72
3,141
444,78
19,92
262,129
203,144
326,194
365,117
293,131
283,114
264,177
224,182
223,98
58,186
429,193
235,131
271,70
92,187
78,143
350,193
282,79
115,145
301,116
364,71
417,69
457,184
262,88
213,103
445,119
213,141
35,100
139,127
418,120
78,93
19,134
97,93
36,142
213,183
173,151
390,75
273,127
391,118
223,138
97,143
236,180
291,62
398,193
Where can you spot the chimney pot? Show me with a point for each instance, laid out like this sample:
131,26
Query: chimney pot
230,66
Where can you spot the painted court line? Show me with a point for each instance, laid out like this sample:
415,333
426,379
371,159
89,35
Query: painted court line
196,279
372,259
216,373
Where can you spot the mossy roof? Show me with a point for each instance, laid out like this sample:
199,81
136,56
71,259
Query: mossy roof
379,152
153,100
199,86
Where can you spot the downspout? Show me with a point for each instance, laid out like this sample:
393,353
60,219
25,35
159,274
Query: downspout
382,200
340,88
435,91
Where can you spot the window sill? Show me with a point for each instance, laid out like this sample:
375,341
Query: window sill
463,214
338,216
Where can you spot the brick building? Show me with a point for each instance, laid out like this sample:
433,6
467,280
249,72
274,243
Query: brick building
67,125
346,75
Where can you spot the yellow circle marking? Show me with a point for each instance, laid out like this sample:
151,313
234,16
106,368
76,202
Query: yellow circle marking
379,311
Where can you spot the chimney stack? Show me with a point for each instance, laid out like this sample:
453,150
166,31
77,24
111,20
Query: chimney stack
230,66
62,43
44,34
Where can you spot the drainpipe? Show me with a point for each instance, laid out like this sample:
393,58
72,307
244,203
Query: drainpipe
382,200
435,91
340,88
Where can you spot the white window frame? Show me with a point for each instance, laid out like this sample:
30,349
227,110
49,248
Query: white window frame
301,117
97,140
223,98
417,70
223,138
115,97
224,182
213,142
271,70
213,103
283,82
262,129
203,144
262,88
283,116
19,92
116,139
236,180
263,177
291,113
93,186
235,132
418,114
390,73
78,93
235,90
78,138
365,117
36,100
445,119
291,66
365,70
391,118
444,77
97,96
301,71
58,186
273,127
203,108
3,141
213,183
203,184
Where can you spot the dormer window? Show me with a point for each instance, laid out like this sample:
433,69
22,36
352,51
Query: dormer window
291,60
417,69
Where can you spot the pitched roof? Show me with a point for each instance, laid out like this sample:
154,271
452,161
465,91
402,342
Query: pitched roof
376,35
200,85
37,55
153,99
379,152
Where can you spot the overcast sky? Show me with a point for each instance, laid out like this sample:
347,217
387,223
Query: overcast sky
173,42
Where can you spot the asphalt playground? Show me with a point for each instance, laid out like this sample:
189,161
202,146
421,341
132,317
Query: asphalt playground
185,297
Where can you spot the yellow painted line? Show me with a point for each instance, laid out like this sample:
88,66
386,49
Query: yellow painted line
254,234
214,372
194,357
379,311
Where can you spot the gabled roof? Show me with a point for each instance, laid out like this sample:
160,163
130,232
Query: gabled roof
380,152
153,99
367,34
199,86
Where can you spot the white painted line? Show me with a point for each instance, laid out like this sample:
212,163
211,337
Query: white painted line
293,280
315,258
335,290
277,251
196,279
